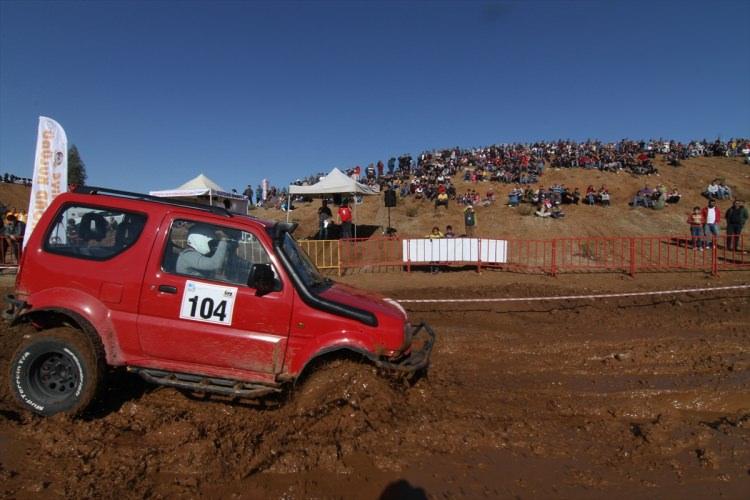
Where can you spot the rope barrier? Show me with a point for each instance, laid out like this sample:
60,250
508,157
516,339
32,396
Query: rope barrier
574,297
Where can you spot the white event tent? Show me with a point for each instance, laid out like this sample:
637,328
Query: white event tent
336,182
202,189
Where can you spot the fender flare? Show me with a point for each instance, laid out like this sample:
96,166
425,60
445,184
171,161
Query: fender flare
96,322
338,348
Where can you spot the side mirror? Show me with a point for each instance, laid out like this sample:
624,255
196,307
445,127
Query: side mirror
261,278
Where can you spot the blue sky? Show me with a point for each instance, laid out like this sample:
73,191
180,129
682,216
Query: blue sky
153,93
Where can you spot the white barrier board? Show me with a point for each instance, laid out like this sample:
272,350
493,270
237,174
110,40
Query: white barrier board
455,250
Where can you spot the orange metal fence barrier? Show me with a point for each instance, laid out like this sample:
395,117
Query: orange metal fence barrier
552,256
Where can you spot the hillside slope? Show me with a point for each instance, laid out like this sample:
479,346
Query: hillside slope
582,220
15,196
500,220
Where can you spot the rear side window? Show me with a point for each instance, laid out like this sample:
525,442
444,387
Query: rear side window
93,232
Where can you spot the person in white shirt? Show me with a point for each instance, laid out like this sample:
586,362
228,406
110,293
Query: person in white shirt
712,191
712,218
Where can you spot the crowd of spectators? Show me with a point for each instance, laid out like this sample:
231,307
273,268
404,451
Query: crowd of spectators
431,176
524,164
14,179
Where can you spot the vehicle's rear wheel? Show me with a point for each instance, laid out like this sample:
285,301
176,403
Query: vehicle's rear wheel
56,371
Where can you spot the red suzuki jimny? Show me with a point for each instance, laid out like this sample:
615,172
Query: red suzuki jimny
188,296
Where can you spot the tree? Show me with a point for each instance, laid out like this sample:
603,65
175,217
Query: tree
76,167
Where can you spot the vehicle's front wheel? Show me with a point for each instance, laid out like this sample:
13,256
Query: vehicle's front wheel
56,371
344,383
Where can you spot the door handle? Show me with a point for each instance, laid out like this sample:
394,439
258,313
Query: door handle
167,288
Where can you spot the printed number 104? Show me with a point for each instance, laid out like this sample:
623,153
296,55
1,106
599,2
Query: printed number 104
208,309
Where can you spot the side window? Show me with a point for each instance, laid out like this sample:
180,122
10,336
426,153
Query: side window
212,252
93,232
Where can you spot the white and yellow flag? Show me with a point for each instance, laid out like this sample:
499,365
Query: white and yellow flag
50,170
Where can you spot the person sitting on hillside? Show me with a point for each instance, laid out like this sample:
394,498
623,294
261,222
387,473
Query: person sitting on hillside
572,198
486,201
673,196
590,195
725,192
673,159
514,197
643,198
712,190
604,196
544,209
441,199
556,212
659,200
528,195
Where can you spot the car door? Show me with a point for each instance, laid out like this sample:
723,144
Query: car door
192,314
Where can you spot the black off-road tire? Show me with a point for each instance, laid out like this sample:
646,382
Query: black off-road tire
57,371
340,382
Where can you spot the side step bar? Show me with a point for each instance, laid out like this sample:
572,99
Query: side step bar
200,383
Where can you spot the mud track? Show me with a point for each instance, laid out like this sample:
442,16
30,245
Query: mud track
615,398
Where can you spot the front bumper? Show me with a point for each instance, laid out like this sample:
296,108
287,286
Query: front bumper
416,359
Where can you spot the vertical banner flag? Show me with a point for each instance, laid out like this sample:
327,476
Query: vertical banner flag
50,170
264,185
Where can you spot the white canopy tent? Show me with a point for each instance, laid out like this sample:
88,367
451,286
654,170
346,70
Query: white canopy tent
201,188
336,182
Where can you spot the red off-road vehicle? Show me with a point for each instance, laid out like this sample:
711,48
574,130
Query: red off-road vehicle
188,296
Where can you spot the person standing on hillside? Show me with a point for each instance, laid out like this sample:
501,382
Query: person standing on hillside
470,220
711,218
345,219
13,234
249,193
324,220
435,234
736,218
695,221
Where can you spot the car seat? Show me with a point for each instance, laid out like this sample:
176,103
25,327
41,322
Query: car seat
128,231
93,226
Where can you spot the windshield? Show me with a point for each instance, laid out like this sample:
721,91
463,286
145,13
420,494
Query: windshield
303,266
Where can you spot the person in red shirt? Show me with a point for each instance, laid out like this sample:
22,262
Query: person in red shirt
345,219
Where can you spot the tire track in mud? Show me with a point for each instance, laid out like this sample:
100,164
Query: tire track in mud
655,395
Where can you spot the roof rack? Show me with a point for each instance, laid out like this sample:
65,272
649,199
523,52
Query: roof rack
156,199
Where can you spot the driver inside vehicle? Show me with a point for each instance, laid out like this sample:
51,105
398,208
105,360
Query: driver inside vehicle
200,258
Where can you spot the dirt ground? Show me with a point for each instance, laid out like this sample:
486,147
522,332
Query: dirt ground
646,396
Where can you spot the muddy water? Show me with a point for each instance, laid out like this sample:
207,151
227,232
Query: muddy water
578,400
